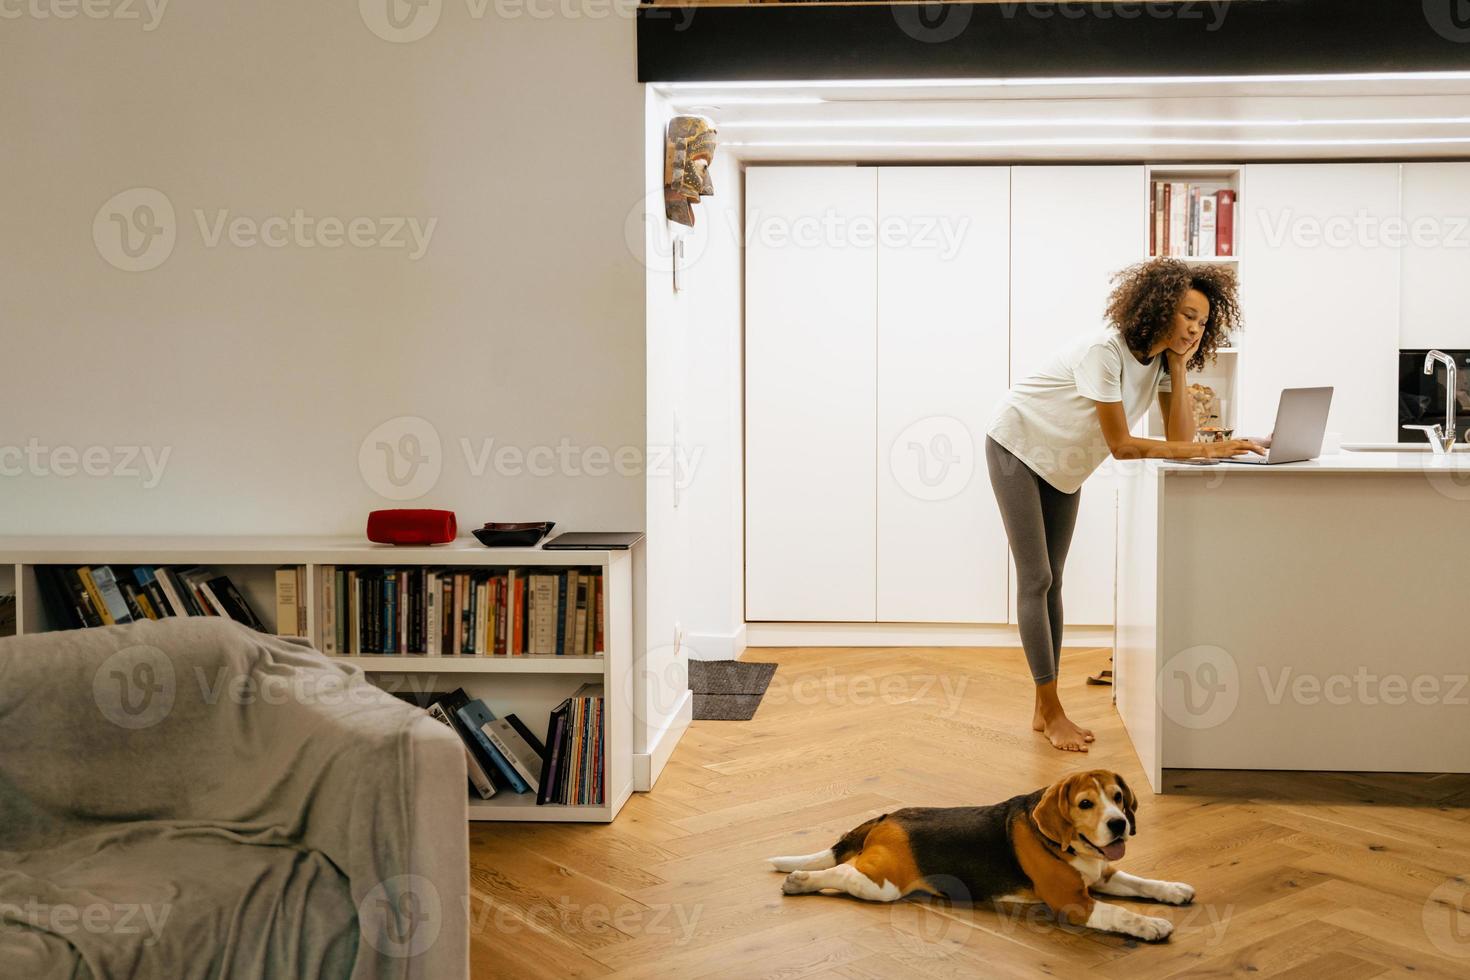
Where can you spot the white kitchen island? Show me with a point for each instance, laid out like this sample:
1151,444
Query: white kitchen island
1308,616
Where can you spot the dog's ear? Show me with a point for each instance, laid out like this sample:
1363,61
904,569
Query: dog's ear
1053,813
1130,803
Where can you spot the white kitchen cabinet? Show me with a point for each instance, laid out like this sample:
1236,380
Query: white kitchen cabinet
943,341
1320,293
811,393
1435,257
1071,229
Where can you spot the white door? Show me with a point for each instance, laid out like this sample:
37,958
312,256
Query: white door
811,393
1319,293
943,342
1071,229
1435,257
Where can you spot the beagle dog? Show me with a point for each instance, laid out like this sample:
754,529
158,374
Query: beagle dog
1057,846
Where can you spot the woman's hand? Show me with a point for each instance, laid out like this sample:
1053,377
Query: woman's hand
1231,447
1176,362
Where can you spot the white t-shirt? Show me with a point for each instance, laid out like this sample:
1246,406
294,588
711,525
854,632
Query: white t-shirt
1049,421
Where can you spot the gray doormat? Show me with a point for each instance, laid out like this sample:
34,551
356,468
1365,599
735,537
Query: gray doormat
728,690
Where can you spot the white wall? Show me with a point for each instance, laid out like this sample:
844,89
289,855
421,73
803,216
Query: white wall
256,374
260,370
713,612
695,564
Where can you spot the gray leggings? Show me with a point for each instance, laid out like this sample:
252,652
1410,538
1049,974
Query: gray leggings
1039,521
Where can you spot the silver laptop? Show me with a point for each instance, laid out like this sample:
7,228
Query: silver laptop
1301,421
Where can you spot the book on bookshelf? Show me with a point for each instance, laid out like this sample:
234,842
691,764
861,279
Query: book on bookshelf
474,612
478,719
479,779
1191,220
290,601
574,765
514,749
77,597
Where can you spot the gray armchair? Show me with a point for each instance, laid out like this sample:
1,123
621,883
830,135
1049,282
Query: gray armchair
191,799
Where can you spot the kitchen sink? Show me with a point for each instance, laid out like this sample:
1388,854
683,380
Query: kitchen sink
1395,447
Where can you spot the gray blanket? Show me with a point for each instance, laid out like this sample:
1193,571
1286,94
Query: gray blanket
191,799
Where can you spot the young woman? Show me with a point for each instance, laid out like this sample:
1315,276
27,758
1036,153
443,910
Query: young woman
1053,429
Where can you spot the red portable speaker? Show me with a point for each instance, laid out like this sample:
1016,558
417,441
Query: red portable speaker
412,526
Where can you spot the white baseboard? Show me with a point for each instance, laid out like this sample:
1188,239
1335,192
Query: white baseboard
909,635
716,646
648,765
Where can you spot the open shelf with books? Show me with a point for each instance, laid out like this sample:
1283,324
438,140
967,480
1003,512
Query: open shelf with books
292,586
1193,212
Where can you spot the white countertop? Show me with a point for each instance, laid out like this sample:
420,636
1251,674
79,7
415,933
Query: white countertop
1372,462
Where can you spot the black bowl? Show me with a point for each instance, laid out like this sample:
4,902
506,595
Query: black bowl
522,535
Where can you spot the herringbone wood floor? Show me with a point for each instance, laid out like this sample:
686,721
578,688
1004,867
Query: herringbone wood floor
1337,876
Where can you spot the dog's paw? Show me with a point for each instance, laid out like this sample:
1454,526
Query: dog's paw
1175,893
1151,928
796,883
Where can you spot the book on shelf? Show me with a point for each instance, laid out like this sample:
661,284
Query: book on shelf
478,718
503,754
1191,220
479,779
573,769
291,600
1225,222
514,749
450,612
453,703
80,596
443,707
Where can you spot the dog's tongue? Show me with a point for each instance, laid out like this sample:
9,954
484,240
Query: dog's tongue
1114,851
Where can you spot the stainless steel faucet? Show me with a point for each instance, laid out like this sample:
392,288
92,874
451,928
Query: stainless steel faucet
1441,440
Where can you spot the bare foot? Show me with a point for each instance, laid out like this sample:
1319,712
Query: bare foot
1063,733
1038,724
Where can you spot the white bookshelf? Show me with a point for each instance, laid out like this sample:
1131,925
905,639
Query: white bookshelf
527,686
1224,374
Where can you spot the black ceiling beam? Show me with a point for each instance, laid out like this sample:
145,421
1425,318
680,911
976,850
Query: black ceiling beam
798,42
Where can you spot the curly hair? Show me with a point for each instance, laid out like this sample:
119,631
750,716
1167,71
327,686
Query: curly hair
1147,295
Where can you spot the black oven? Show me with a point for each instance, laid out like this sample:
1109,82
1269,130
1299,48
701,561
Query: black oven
1421,396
